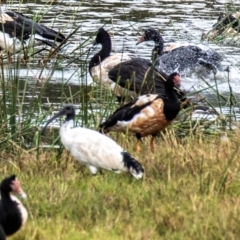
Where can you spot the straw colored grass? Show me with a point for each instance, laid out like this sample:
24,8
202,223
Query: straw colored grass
190,191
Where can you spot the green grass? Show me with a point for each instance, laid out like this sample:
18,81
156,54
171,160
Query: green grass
190,191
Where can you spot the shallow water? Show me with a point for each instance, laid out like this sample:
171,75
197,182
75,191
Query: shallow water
183,21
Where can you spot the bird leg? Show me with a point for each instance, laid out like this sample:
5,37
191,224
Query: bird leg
152,143
138,147
10,60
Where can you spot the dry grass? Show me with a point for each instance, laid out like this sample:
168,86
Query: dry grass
190,191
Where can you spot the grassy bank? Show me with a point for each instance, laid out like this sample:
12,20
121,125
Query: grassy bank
190,191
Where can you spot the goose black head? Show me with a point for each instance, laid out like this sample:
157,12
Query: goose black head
6,183
67,110
101,37
150,35
153,35
174,80
11,184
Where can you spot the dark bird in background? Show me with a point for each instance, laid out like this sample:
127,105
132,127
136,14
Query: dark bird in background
228,21
146,115
13,215
227,26
18,31
102,62
183,59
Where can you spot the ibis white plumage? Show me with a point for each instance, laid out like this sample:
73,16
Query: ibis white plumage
18,31
94,149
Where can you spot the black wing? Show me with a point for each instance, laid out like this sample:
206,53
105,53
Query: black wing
127,112
139,75
22,27
190,56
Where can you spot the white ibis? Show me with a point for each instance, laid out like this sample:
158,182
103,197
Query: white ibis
94,149
18,31
13,215
146,115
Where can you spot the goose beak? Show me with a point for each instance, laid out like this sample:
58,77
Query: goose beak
17,189
23,195
141,39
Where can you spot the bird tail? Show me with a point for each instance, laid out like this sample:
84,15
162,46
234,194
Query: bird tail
133,166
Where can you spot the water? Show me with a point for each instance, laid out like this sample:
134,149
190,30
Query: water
178,20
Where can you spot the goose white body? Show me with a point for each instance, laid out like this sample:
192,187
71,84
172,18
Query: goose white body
22,209
100,72
10,45
13,45
18,31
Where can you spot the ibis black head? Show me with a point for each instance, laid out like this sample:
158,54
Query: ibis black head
67,110
101,37
6,183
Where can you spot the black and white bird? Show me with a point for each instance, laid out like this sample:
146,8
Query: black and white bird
13,215
102,62
94,149
227,28
146,115
18,31
183,59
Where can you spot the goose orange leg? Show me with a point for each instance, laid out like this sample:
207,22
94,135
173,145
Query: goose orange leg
152,143
138,147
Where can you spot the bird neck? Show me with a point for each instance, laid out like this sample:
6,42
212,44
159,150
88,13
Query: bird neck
171,103
103,53
68,124
6,200
70,116
159,45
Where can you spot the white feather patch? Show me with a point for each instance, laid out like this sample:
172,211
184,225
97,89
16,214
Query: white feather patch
92,148
100,73
9,44
21,208
5,18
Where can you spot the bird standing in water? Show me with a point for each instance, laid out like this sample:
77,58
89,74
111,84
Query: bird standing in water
180,58
102,62
18,31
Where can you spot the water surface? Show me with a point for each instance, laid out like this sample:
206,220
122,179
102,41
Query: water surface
183,21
